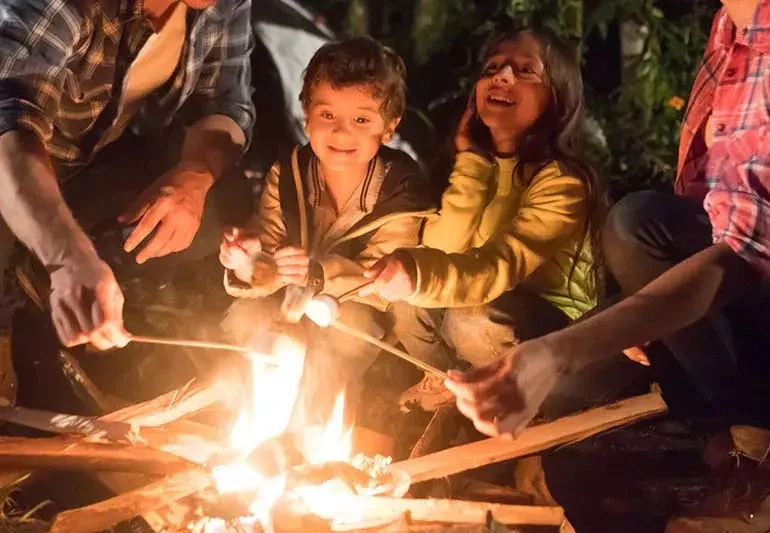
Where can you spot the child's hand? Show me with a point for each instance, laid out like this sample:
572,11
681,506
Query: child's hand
237,252
393,277
293,265
463,139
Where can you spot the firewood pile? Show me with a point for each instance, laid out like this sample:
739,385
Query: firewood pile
161,462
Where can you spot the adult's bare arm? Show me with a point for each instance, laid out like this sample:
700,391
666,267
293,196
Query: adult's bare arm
504,396
86,301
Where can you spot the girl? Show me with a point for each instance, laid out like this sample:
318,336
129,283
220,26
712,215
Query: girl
509,255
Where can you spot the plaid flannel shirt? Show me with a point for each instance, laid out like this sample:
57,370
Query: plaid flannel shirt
733,175
62,64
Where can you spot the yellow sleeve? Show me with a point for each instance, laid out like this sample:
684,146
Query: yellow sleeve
462,204
342,274
552,212
268,223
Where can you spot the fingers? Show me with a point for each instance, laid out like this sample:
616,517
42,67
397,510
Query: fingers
150,219
292,265
233,257
108,314
392,280
161,243
137,209
637,354
96,318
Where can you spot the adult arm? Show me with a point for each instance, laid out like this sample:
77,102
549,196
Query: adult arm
506,395
222,116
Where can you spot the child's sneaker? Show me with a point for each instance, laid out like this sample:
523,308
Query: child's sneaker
429,394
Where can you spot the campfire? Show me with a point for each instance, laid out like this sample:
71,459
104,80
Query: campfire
258,470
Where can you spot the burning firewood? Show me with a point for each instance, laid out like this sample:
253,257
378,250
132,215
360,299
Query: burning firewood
108,513
69,454
565,430
354,508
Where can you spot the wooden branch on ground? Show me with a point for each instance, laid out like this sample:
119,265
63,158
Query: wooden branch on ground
108,513
190,447
565,430
175,405
168,410
69,454
445,511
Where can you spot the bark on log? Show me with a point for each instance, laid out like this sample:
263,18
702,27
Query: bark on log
69,454
567,430
108,513
444,511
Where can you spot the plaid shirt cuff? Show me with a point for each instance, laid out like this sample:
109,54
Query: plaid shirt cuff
16,114
741,219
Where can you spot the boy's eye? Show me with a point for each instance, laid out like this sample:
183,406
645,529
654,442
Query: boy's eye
362,120
326,115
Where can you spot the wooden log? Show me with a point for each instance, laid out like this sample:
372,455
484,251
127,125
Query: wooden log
444,511
177,404
108,513
190,447
69,454
567,430
168,410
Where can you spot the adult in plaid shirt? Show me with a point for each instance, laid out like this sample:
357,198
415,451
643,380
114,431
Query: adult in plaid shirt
74,76
677,258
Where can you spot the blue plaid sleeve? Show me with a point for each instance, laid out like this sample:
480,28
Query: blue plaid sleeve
36,39
224,85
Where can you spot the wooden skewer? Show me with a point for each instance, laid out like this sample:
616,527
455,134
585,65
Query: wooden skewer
354,290
388,348
189,343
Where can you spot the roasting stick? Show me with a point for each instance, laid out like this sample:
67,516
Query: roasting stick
189,343
388,348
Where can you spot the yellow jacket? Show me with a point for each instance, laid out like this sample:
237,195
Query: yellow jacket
495,232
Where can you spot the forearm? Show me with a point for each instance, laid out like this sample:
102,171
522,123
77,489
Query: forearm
31,202
214,144
681,296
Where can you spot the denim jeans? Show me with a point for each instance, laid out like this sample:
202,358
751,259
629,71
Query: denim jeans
646,234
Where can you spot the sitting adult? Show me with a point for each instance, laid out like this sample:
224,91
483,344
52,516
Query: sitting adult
73,77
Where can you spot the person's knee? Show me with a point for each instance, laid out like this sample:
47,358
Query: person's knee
477,338
631,215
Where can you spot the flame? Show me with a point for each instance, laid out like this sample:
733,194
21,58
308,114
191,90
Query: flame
335,442
275,389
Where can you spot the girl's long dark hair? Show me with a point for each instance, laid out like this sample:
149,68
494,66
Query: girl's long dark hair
557,136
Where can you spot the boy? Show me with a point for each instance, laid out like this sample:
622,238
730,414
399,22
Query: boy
333,208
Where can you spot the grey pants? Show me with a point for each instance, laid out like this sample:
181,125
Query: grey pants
334,360
725,354
479,335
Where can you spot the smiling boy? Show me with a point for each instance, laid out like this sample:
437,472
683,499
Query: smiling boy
336,206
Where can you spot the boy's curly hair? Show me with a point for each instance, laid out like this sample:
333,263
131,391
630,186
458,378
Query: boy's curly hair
359,61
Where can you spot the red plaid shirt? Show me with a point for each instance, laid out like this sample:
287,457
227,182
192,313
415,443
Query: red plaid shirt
733,87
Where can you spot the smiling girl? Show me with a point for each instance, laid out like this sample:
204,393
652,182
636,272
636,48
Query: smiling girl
509,255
